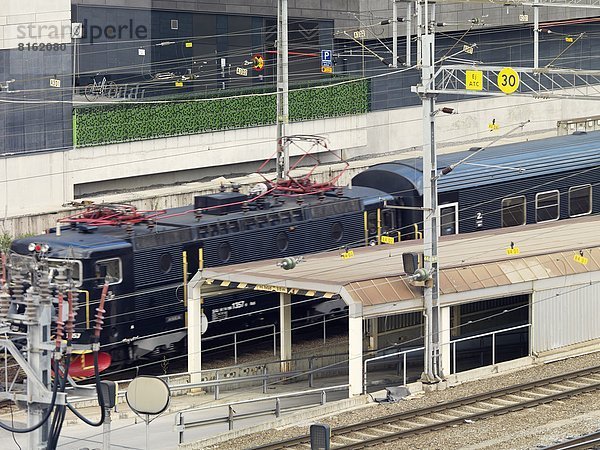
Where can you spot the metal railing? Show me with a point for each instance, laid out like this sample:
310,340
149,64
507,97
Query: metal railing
316,320
493,334
235,338
265,377
273,407
396,355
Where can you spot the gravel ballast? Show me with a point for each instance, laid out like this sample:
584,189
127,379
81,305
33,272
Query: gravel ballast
527,429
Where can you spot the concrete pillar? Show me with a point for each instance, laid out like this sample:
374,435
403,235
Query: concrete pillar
445,349
355,354
194,337
373,334
285,328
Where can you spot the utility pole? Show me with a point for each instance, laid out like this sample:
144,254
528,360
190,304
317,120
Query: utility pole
395,34
283,157
432,371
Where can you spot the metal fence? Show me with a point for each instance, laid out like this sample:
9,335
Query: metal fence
400,358
493,334
184,420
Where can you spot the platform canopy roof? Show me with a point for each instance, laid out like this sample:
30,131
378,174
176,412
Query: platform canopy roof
375,276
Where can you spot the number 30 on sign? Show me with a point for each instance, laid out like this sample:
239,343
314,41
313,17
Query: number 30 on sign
508,80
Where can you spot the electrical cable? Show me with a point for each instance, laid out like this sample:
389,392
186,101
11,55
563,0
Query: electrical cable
45,416
12,423
95,349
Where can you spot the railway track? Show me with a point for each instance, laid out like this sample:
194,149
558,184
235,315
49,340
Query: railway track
397,426
589,441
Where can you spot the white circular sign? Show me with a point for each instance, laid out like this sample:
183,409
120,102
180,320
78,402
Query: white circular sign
148,395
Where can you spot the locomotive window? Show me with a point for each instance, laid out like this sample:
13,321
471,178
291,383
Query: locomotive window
580,200
282,241
73,270
547,206
224,252
337,231
513,211
108,271
165,262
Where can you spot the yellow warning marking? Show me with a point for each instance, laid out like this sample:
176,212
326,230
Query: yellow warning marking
387,240
347,255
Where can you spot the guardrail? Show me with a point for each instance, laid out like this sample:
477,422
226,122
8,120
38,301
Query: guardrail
273,407
396,355
493,334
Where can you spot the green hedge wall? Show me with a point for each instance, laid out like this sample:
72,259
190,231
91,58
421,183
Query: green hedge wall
122,122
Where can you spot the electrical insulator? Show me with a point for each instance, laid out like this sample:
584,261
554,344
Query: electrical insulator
421,275
289,262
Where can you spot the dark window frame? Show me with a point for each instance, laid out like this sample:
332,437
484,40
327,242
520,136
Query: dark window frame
590,191
120,277
504,208
539,209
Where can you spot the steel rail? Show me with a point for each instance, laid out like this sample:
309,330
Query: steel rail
466,401
589,441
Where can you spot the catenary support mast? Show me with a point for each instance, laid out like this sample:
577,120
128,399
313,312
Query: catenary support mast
432,371
283,158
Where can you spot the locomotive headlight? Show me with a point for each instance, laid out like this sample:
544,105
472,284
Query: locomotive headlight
38,248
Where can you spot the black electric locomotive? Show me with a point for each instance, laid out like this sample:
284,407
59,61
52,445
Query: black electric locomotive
146,257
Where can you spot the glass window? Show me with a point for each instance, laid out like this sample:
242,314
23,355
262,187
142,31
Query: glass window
448,219
580,200
109,271
73,270
547,206
513,211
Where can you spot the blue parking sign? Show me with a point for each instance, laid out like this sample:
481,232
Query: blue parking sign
325,57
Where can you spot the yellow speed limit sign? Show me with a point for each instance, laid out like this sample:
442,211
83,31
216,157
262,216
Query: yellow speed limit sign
508,80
